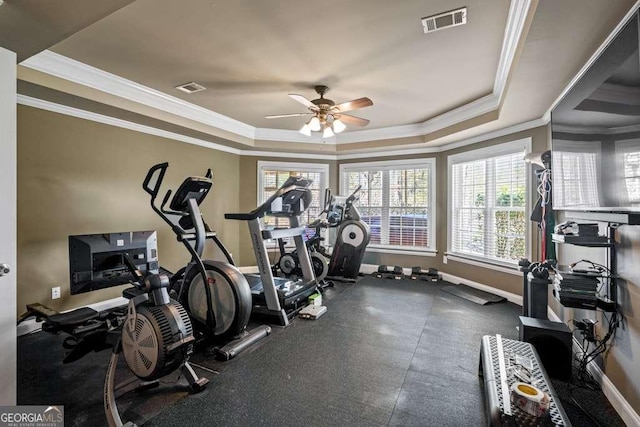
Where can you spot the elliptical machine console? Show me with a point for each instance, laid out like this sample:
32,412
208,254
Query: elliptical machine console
277,297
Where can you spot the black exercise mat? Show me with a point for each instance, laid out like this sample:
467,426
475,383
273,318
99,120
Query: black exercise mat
473,294
386,353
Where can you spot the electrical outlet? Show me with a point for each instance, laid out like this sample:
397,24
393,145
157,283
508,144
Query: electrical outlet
444,259
55,292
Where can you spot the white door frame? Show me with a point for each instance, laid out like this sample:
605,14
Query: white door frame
8,182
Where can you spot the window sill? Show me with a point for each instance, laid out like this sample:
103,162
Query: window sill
478,262
402,251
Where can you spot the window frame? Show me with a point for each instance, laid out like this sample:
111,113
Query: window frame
520,145
428,162
263,165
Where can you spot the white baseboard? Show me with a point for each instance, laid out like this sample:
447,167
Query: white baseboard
617,400
511,297
30,325
516,299
249,269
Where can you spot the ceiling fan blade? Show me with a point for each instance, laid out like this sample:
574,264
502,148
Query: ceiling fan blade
352,120
277,116
304,101
352,105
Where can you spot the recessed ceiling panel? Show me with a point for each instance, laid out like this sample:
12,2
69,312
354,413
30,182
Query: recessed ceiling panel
250,54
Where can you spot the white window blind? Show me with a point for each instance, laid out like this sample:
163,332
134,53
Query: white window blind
271,175
396,200
488,204
579,175
628,152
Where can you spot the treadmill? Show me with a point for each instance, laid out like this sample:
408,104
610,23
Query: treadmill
276,297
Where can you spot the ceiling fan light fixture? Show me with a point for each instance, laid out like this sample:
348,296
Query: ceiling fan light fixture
314,124
328,133
338,126
305,130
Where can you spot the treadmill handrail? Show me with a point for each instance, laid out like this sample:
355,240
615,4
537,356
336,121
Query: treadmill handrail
245,216
261,210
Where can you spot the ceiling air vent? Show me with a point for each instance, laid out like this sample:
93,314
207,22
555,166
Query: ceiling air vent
452,18
191,87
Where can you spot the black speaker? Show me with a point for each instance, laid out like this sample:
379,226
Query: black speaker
552,341
535,297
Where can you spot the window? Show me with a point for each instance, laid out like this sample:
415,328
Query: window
396,200
579,172
271,175
488,203
629,152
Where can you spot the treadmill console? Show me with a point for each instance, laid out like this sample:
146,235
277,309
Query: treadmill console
292,199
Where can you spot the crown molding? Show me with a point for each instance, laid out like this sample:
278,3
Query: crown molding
124,124
458,115
399,151
68,69
590,130
451,146
112,121
518,12
282,135
60,66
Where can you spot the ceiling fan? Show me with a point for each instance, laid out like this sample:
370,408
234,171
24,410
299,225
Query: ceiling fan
328,117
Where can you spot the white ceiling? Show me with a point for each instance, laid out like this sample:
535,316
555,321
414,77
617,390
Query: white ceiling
505,67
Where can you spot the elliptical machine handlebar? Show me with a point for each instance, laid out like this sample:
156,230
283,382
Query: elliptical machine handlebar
353,197
153,191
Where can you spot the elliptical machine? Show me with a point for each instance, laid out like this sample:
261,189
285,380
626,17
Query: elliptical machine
220,309
352,240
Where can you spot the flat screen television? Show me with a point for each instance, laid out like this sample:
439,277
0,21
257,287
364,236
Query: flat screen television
96,261
595,132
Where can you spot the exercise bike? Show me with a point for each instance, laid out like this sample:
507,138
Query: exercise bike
153,332
289,262
215,294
